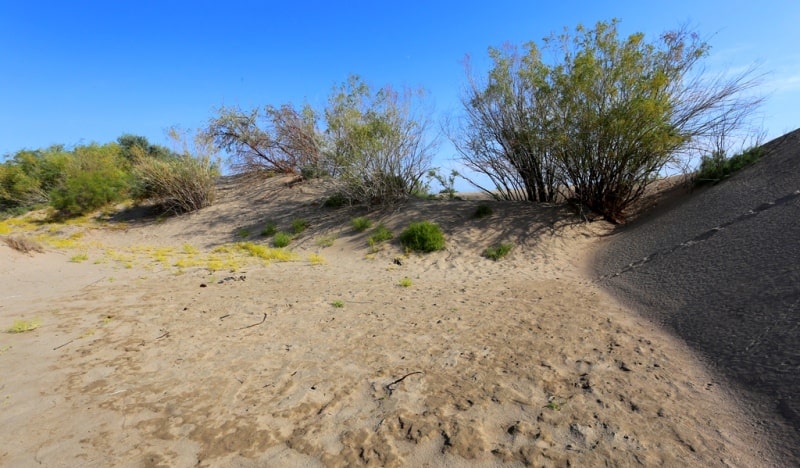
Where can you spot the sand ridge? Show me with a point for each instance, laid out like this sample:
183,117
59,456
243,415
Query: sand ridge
525,361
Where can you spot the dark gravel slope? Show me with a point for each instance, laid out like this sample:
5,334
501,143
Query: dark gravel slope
721,270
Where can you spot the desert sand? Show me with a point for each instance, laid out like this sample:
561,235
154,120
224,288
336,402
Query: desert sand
719,267
327,360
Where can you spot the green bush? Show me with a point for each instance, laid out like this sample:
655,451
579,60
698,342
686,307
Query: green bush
281,239
380,234
496,252
423,236
94,177
28,177
269,230
299,225
361,223
483,210
717,167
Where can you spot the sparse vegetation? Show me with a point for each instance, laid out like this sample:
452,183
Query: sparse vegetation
379,235
326,241
405,282
423,236
23,244
299,225
79,258
269,230
338,304
316,259
716,167
361,223
243,233
181,183
281,239
22,326
496,252
373,145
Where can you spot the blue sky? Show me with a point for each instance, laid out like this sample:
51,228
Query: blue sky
75,72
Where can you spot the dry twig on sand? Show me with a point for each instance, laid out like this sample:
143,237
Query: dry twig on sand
255,324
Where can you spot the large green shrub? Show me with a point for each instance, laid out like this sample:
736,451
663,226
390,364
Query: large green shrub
27,178
95,176
423,236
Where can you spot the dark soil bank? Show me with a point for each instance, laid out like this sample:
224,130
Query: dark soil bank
720,268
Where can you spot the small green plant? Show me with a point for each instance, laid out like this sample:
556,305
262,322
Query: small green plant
22,326
448,183
78,258
483,211
299,225
361,223
405,282
423,236
243,233
716,167
496,252
269,230
337,304
281,239
381,234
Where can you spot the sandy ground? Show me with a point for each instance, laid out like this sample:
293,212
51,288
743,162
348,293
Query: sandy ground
720,268
524,361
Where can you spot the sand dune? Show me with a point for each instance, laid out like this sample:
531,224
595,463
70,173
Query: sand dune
524,361
720,268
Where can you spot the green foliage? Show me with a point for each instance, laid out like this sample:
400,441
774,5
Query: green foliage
281,239
337,304
380,234
423,236
361,223
373,144
447,183
376,144
243,233
602,119
27,178
405,282
133,147
716,167
483,211
269,230
299,225
94,177
496,252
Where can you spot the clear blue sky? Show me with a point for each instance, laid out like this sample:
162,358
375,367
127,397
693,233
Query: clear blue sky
74,72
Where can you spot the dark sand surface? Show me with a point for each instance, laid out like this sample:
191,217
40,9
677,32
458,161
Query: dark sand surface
720,268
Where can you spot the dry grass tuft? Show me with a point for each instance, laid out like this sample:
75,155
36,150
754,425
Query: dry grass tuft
23,244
